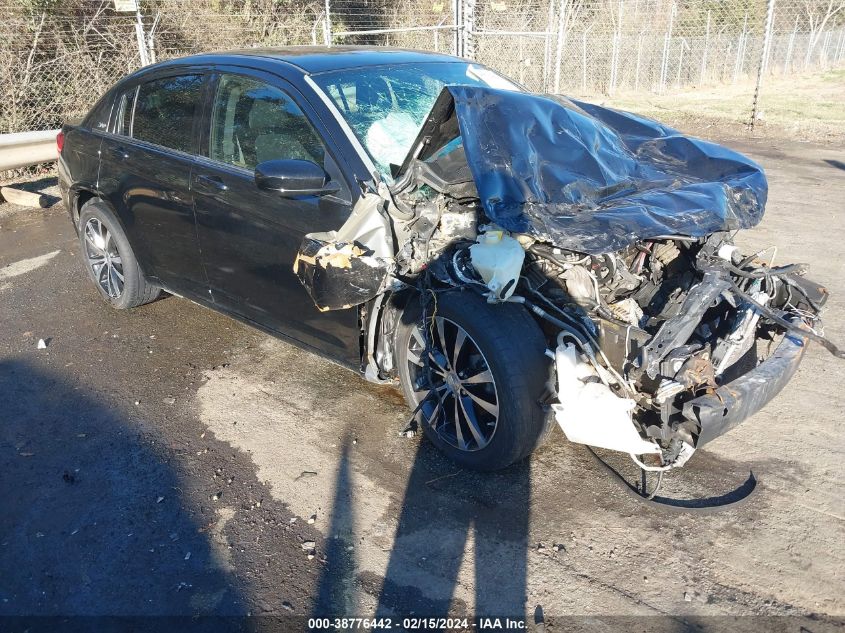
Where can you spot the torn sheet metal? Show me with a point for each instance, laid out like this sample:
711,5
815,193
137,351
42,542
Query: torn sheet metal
348,267
588,178
716,413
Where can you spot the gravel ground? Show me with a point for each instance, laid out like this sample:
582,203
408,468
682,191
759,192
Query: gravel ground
171,461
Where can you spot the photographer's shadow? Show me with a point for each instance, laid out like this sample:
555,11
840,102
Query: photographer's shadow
450,518
93,520
449,514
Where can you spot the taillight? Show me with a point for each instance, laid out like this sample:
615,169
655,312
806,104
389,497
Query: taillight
60,141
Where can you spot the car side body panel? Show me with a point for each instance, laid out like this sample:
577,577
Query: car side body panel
249,239
78,167
232,248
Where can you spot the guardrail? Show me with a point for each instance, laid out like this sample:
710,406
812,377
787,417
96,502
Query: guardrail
27,148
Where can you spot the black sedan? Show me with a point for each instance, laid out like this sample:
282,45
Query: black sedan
511,261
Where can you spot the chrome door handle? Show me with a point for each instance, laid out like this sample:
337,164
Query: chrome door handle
214,183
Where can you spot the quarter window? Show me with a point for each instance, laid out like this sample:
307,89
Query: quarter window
253,122
123,118
165,110
98,118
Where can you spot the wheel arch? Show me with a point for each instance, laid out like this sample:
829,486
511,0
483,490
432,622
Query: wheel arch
379,319
513,348
79,198
85,195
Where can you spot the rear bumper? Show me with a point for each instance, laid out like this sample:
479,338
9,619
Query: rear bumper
717,413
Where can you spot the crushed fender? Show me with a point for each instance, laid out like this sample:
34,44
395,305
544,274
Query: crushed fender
348,267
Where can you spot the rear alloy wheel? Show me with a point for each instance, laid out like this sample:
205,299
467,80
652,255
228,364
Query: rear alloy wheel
103,258
479,380
109,258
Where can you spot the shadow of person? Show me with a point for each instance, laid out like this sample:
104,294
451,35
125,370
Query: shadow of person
448,514
93,520
336,588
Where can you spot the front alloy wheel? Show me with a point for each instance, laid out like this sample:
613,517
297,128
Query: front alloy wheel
458,392
475,372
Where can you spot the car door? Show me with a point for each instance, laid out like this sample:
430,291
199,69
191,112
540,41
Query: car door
250,237
145,173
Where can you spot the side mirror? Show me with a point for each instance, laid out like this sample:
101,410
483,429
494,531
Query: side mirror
293,177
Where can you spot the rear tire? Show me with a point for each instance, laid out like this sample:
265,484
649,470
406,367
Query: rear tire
500,338
109,259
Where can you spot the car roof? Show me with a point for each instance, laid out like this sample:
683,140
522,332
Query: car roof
317,59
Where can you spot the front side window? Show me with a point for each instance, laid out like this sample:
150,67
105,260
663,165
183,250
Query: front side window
165,111
253,122
387,105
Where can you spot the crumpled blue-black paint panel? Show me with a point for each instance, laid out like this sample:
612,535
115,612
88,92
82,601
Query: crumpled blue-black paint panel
592,179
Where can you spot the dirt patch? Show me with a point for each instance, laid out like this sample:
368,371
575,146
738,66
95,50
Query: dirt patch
808,108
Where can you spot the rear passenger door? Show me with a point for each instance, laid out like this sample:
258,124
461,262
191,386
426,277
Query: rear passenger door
250,237
146,173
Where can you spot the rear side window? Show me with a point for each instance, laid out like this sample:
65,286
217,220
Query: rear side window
253,122
165,111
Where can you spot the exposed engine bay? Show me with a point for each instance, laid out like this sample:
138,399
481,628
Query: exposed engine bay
635,335
657,343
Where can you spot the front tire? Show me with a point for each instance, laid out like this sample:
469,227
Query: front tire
482,386
110,261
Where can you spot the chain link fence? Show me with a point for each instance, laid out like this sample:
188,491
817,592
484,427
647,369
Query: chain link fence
58,56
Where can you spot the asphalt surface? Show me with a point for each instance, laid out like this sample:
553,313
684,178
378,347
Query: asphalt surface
171,461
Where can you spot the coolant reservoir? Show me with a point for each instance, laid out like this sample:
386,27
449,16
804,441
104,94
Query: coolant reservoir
498,259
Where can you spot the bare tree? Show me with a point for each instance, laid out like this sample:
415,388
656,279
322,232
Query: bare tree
820,13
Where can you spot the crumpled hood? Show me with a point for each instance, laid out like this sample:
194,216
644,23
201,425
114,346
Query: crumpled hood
593,179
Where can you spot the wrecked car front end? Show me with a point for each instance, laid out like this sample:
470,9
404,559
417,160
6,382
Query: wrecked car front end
615,234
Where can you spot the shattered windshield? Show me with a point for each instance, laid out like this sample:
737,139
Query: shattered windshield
387,105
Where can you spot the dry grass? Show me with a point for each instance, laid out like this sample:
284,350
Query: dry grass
808,108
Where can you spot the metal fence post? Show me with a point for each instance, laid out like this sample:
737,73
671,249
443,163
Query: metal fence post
139,33
457,40
327,31
706,47
437,35
770,13
767,37
615,51
584,60
790,47
547,48
640,37
667,41
740,50
560,43
684,45
468,17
